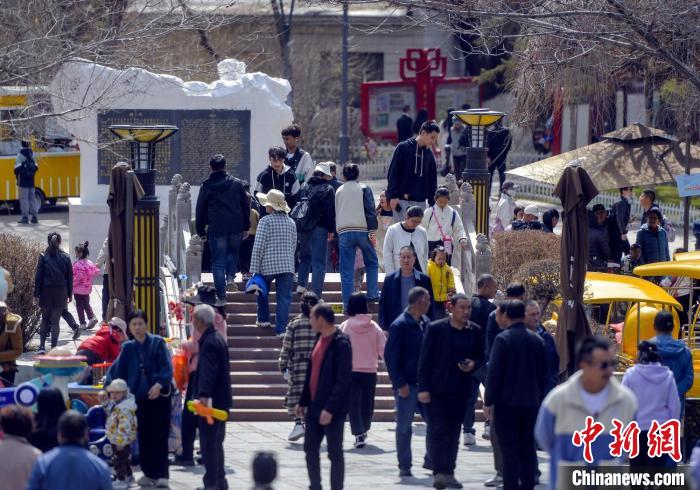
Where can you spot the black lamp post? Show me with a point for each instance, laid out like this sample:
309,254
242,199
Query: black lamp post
476,171
142,141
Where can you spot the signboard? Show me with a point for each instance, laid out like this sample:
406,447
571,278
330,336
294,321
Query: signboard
688,185
203,133
382,105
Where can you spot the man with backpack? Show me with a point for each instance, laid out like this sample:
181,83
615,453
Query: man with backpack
315,220
25,170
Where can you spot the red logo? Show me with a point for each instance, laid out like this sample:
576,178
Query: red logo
625,439
665,439
587,437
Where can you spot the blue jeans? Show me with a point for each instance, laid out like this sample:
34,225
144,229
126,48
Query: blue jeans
313,249
405,410
224,259
469,416
348,241
284,298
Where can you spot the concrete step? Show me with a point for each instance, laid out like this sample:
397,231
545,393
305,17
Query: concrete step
251,318
242,353
279,390
275,377
240,297
234,309
249,330
258,342
263,365
265,402
280,415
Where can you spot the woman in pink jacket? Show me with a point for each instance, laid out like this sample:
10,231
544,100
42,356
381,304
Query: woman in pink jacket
367,341
205,295
84,271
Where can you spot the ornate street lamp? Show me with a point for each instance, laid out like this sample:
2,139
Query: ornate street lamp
142,140
476,171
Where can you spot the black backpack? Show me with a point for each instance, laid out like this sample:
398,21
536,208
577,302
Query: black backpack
28,167
301,214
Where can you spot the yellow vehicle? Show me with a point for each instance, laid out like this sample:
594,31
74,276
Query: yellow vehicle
57,157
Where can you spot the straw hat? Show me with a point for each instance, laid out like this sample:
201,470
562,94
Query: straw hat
274,199
118,385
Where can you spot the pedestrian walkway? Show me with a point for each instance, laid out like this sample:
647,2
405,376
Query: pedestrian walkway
371,467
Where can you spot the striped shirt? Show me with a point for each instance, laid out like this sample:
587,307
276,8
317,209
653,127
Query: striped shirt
275,243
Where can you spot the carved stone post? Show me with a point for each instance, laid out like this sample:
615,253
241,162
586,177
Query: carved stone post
184,215
468,203
163,237
171,245
193,267
451,184
483,257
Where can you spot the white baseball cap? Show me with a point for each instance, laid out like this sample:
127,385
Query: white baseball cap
532,209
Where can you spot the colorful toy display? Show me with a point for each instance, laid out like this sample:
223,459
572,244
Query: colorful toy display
26,393
62,365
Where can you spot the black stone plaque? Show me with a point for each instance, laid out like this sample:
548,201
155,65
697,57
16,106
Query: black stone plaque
203,133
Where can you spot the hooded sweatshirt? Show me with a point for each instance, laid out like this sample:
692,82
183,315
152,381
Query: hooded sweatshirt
412,173
222,205
83,273
367,341
286,183
655,389
677,357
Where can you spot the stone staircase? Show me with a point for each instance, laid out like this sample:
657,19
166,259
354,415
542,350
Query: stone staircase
258,387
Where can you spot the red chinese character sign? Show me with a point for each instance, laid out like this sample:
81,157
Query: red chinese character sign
586,437
423,85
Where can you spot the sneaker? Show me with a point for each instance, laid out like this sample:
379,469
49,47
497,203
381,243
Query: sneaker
144,481
297,432
91,324
263,324
231,287
41,351
162,483
360,441
23,221
487,432
301,290
35,220
76,333
451,482
179,461
494,481
469,439
117,484
405,473
280,335
439,481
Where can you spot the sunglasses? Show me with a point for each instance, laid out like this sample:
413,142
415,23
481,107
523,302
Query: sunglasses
605,365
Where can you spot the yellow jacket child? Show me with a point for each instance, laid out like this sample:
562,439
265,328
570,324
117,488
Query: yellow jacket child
442,279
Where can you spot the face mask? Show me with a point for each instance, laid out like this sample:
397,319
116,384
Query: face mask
511,193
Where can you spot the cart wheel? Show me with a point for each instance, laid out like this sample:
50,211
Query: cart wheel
39,196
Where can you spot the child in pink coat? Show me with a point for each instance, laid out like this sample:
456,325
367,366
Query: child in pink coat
83,273
367,341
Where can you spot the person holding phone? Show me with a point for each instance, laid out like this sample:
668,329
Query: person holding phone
451,352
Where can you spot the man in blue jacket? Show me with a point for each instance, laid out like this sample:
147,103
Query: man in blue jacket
652,238
412,176
674,353
70,466
401,355
223,221
394,298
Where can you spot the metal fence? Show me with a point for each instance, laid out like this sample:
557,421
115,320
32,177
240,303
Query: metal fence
542,192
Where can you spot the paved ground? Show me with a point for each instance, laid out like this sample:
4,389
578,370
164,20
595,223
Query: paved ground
371,467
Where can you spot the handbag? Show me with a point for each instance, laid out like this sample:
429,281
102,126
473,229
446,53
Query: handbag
446,240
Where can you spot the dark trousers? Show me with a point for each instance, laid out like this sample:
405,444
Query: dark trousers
313,436
211,440
245,254
153,417
69,319
105,296
458,165
362,402
496,445
8,378
445,415
121,462
82,304
50,318
189,423
469,414
439,310
501,176
515,427
644,461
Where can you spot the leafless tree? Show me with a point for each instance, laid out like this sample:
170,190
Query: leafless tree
581,48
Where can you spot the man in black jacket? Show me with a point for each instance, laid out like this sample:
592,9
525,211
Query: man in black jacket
622,211
313,240
481,309
278,176
404,125
515,387
213,389
401,355
325,397
223,220
412,176
395,291
498,143
25,170
451,352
